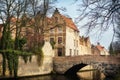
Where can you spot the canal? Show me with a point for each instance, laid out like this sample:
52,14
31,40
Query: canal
87,75
83,74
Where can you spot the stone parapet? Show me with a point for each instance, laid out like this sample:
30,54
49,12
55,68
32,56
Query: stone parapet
109,65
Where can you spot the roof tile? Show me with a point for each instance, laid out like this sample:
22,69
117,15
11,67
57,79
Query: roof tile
70,23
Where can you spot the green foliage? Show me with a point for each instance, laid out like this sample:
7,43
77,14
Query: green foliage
111,51
12,56
40,55
52,44
37,50
4,63
19,43
26,56
22,41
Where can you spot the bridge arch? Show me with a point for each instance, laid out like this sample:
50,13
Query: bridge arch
72,70
71,65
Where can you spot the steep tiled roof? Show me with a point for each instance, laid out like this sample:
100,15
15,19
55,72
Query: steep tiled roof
99,47
67,20
70,23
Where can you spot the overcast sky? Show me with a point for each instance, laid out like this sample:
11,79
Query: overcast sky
104,39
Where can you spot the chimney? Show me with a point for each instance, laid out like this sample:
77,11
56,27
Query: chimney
98,43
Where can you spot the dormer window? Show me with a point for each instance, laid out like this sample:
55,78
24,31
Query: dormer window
60,30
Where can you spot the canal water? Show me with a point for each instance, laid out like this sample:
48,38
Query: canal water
87,75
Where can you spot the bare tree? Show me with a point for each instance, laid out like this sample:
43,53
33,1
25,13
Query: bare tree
118,30
10,13
100,14
116,44
39,11
15,15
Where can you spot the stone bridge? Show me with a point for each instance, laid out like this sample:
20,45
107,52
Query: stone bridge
109,65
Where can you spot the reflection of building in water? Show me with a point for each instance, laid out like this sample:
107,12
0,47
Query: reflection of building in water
89,73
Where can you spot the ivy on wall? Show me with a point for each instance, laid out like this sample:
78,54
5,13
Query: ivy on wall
52,44
11,57
39,53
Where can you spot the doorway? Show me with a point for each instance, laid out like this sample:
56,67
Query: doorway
59,51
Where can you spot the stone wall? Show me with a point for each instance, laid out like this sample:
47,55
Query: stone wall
32,68
109,65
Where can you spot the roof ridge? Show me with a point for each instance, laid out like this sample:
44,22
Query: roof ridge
69,22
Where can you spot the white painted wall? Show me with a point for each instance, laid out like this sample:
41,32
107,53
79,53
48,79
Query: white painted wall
84,50
70,37
81,50
104,52
47,49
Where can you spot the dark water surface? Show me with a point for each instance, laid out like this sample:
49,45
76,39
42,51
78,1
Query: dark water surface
88,75
62,77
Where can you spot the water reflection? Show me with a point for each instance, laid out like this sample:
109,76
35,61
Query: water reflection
62,77
47,77
51,77
95,76
91,75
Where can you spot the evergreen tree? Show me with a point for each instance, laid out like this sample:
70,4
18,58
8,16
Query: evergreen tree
111,51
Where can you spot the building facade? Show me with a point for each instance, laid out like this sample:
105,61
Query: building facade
64,34
85,46
99,50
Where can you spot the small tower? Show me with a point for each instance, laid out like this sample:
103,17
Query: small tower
98,43
56,11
